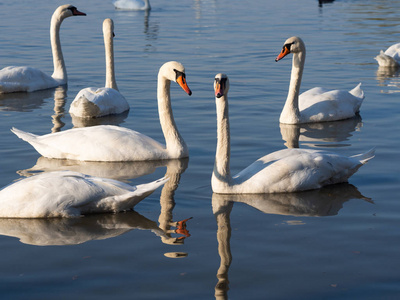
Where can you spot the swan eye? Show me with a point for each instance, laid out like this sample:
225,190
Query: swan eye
180,74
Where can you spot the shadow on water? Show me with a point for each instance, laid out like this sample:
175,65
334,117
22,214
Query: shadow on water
327,201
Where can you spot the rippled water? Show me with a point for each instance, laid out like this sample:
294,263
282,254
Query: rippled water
340,242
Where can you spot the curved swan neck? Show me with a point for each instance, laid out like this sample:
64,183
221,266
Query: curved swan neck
175,145
110,72
60,72
290,113
222,171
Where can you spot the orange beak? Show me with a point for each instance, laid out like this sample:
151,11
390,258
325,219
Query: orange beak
219,90
182,82
285,51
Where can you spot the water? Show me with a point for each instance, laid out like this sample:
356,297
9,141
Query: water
340,242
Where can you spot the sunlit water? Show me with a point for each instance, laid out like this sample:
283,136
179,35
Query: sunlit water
340,242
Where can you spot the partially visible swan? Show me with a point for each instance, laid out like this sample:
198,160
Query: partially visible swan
97,102
27,79
132,4
113,143
317,104
70,194
389,58
288,170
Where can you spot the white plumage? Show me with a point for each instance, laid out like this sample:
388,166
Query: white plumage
113,143
94,102
288,170
27,79
70,194
132,4
389,58
317,104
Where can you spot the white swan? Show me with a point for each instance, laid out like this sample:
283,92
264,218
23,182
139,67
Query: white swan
132,4
113,143
97,102
27,79
316,104
389,58
70,194
287,170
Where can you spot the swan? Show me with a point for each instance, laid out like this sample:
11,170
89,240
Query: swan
27,79
70,194
132,4
97,102
317,104
113,143
389,58
288,170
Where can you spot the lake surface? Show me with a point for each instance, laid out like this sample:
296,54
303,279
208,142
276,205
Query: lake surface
339,242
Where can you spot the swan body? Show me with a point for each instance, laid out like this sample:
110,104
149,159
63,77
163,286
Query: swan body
113,143
288,170
317,104
132,4
389,58
98,102
70,194
27,79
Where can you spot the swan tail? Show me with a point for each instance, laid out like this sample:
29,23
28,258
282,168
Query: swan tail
145,188
365,157
385,60
357,92
26,136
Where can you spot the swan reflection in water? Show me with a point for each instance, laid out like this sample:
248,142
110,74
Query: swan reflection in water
103,226
24,102
326,201
323,134
388,77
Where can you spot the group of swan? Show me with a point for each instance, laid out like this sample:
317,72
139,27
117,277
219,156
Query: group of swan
69,193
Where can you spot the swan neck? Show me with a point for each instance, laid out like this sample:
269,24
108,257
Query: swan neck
222,157
291,113
60,72
110,72
175,145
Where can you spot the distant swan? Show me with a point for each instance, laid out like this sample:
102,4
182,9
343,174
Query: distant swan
113,143
132,4
97,102
70,194
27,79
317,104
288,170
389,58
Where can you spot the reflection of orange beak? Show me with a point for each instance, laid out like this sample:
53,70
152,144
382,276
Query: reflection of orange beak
285,51
181,228
182,82
219,90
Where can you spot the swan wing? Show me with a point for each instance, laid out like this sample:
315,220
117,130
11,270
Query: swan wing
24,79
97,143
319,104
292,170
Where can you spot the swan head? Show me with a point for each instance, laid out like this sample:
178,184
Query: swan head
67,10
293,44
175,71
108,28
221,85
